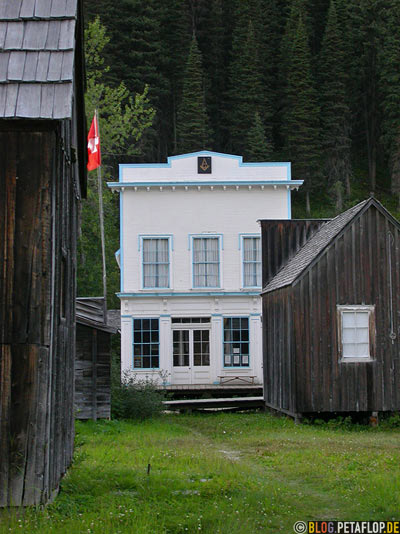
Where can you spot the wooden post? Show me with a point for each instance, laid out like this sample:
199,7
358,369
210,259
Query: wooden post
101,216
94,374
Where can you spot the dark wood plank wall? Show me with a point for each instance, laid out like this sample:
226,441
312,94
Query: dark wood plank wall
281,239
38,218
355,269
279,380
92,373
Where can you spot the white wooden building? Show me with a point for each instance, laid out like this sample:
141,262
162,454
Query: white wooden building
190,263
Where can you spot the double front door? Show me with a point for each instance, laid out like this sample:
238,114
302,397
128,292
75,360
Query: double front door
191,353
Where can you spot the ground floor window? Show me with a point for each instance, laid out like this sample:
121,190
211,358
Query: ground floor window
355,332
146,343
236,342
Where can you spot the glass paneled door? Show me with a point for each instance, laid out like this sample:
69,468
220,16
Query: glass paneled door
190,353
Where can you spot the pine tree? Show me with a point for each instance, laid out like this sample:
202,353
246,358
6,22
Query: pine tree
175,37
193,131
298,8
123,122
257,146
274,18
389,84
302,115
335,112
215,61
364,36
246,94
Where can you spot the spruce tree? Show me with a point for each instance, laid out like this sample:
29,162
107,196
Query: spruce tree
298,8
364,35
215,69
246,93
175,37
302,115
257,146
274,18
389,84
335,111
193,131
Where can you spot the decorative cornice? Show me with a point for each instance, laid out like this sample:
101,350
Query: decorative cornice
223,185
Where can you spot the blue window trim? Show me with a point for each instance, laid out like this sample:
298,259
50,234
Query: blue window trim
241,248
220,249
170,249
289,204
133,344
121,240
216,293
223,343
155,236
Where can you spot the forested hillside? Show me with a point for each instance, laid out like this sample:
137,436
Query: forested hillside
314,82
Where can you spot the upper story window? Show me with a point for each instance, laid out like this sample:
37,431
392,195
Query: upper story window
206,262
355,332
251,261
155,262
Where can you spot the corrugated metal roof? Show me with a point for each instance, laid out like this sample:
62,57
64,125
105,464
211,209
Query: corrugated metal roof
312,248
37,40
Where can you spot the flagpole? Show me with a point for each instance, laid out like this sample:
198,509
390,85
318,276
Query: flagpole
101,215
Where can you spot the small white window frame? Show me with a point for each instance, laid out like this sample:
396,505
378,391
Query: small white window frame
141,238
370,309
242,237
192,237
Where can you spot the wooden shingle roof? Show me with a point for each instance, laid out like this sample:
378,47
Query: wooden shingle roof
315,246
37,42
91,311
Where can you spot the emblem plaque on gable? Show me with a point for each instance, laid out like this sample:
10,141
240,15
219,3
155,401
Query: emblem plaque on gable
204,165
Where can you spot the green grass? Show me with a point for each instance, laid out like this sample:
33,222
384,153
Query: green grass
218,473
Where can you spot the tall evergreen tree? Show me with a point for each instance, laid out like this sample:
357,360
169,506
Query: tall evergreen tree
175,37
335,111
364,34
302,114
258,148
123,121
192,123
215,67
297,9
389,84
246,94
274,17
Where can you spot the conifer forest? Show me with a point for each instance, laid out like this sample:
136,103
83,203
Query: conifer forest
314,82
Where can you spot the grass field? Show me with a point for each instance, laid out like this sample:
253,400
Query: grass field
219,473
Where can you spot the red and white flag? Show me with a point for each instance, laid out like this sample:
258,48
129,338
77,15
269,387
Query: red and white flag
94,155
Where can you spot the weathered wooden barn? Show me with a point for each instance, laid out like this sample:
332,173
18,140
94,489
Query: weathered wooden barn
42,177
93,359
331,315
